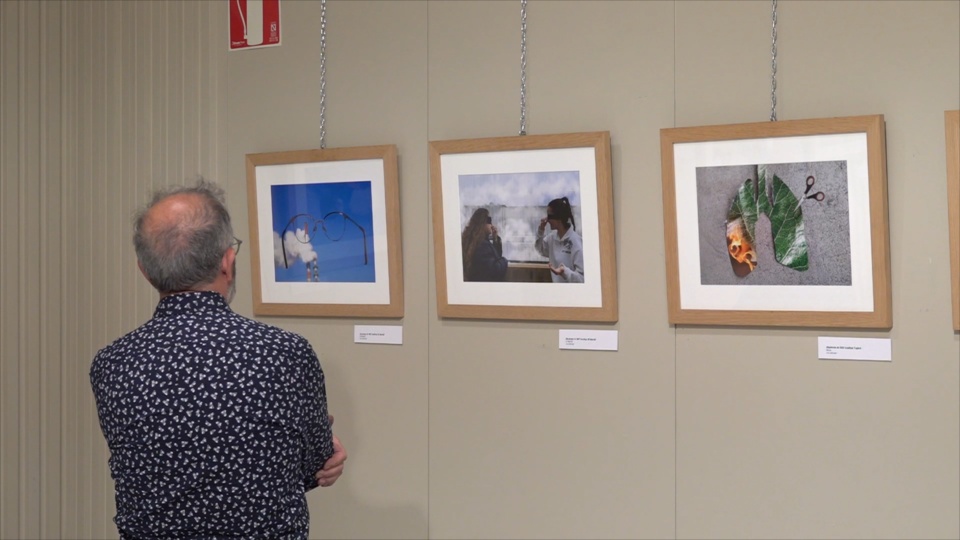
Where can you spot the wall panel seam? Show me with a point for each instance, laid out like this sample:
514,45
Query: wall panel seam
21,259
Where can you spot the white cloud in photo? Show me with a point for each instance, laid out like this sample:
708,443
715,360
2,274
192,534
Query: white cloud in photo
295,248
519,189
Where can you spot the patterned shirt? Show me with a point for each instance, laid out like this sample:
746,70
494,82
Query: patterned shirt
216,423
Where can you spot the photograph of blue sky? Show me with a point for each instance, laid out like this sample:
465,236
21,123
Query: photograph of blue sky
325,242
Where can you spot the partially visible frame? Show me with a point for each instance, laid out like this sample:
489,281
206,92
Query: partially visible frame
515,178
952,122
325,232
719,181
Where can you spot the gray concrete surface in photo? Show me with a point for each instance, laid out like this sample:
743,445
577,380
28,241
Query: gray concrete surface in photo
826,225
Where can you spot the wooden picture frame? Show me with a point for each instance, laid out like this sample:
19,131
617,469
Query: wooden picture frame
952,124
513,179
821,261
337,211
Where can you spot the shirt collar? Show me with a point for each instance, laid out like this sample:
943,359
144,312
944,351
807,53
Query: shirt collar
185,302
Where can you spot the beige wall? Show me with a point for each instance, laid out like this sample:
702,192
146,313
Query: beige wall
100,102
482,428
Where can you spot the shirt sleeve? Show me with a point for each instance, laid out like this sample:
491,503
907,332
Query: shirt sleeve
495,265
497,246
541,245
317,437
575,274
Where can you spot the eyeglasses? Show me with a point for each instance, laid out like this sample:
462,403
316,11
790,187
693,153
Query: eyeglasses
332,224
236,245
551,216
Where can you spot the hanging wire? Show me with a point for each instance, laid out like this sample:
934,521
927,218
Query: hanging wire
773,64
323,74
523,67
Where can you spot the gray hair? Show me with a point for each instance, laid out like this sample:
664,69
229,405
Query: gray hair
184,253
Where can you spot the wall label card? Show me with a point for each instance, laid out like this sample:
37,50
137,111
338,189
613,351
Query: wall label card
592,340
839,348
385,335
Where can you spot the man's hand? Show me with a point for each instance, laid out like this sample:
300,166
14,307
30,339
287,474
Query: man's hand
333,468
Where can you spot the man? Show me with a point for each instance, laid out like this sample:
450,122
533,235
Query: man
217,424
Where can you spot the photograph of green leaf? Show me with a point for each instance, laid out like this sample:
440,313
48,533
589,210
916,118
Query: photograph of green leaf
774,224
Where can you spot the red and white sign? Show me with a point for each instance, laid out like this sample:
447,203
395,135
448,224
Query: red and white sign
254,23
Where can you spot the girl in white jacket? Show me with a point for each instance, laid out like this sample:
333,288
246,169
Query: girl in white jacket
562,245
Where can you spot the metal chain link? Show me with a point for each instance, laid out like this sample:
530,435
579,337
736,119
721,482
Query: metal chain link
323,74
523,67
773,65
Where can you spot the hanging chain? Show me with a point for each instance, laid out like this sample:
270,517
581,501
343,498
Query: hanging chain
773,65
523,67
323,74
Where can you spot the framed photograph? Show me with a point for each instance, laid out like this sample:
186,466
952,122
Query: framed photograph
325,232
523,227
952,121
777,224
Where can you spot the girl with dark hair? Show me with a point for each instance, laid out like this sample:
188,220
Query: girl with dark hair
483,258
562,245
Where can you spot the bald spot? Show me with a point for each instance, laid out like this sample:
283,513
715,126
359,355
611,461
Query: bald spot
167,221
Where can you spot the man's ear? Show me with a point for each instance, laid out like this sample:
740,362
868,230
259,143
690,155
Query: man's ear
226,263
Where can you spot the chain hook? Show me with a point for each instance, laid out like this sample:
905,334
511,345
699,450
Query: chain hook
773,63
523,67
323,74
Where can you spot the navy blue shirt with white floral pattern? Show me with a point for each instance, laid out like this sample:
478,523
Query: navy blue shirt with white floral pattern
216,423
